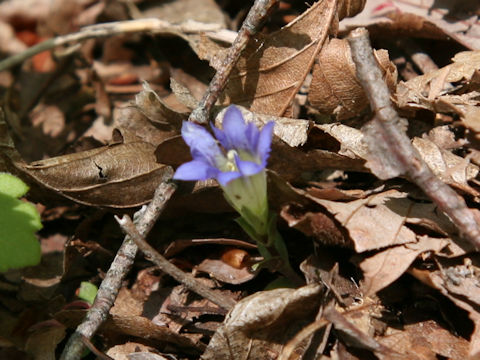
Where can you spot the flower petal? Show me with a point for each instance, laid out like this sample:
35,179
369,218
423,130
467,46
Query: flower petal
248,168
220,135
202,144
225,177
265,142
235,129
195,170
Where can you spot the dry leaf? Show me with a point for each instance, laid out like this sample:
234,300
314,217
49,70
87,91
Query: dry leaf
379,220
120,175
42,342
150,104
272,69
383,268
179,11
416,93
220,270
455,19
132,325
450,168
335,88
425,340
259,325
459,282
130,351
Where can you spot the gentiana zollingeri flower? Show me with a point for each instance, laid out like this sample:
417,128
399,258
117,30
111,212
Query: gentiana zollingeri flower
237,159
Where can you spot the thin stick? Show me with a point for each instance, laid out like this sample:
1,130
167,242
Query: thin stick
402,155
108,291
155,26
253,22
182,277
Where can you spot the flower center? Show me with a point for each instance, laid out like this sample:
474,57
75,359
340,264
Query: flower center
231,166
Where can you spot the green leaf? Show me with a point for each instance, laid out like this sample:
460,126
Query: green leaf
19,221
87,292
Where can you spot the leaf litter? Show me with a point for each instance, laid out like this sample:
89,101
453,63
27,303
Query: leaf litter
94,127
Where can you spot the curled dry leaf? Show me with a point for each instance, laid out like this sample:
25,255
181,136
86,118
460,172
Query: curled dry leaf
120,175
450,168
430,91
259,325
335,88
150,104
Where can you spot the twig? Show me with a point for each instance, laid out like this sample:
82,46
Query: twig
184,278
401,153
155,26
145,219
253,22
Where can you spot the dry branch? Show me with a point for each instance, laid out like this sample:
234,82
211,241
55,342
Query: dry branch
145,219
400,157
184,278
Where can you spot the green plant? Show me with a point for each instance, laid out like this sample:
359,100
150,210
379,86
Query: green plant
19,220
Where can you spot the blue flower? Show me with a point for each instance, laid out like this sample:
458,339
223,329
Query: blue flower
238,164
245,149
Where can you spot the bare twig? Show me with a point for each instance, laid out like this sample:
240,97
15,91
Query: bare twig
155,26
253,22
392,139
145,219
184,278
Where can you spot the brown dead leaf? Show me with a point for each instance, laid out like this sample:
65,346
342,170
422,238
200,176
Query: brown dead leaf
416,93
379,220
220,270
455,19
205,11
120,175
259,325
425,340
130,351
460,283
383,268
273,68
150,104
450,168
132,325
335,88
42,342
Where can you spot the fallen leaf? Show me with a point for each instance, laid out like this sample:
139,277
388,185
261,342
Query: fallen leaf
272,68
131,350
137,326
425,340
259,325
455,19
42,342
220,270
335,88
120,175
458,282
383,268
380,220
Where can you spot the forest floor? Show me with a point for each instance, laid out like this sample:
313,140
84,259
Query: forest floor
372,179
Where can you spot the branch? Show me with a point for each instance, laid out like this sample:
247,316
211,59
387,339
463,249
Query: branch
155,26
145,218
184,278
401,157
